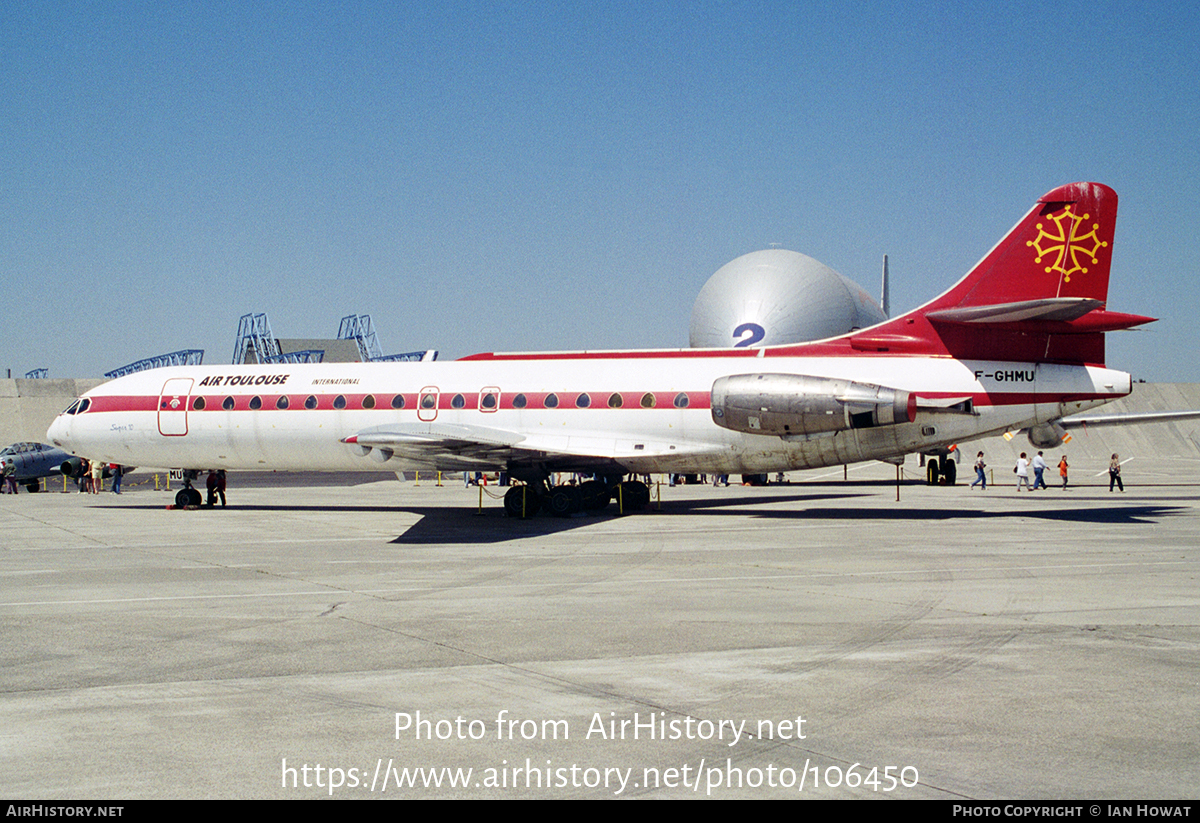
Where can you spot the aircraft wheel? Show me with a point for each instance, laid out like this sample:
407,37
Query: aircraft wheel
195,497
33,488
755,479
635,494
522,501
565,501
931,471
183,498
596,495
949,472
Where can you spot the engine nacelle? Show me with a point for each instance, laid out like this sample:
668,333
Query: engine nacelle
797,404
1047,435
72,467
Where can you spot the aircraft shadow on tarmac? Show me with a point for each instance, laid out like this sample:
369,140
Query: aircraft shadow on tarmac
458,524
1125,515
451,526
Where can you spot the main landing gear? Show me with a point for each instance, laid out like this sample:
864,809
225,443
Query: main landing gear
942,473
565,500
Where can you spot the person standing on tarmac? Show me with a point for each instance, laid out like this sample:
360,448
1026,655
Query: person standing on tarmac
97,476
1022,471
1039,471
980,477
1114,473
216,487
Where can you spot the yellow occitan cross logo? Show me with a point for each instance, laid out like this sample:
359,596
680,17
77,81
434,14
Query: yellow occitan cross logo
1069,245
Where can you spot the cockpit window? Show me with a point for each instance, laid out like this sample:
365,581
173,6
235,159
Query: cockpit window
71,409
84,405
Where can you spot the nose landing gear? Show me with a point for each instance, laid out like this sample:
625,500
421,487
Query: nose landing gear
187,496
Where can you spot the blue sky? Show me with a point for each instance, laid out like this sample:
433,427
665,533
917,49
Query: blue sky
523,176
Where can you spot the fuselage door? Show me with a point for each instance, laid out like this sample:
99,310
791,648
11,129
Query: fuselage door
173,406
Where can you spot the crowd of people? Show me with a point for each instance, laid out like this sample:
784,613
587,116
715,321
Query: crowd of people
1040,467
91,474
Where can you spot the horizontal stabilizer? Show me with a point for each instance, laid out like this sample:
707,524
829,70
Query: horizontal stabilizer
1049,308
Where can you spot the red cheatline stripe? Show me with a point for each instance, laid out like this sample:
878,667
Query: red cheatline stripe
535,401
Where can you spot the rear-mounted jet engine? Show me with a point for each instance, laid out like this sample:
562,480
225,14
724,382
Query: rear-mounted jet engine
788,405
1047,435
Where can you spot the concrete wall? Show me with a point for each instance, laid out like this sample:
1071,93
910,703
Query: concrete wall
28,407
1094,446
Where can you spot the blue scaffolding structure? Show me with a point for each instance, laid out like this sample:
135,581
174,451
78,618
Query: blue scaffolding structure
360,329
184,357
37,374
408,357
254,332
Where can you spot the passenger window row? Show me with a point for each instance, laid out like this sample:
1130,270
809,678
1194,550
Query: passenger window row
488,401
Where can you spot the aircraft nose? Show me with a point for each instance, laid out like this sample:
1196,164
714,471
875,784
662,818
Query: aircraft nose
59,432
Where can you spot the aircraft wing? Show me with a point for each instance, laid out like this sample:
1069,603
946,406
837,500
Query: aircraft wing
442,446
1077,420
456,447
1049,435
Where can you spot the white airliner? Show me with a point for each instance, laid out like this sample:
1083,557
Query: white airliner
1018,343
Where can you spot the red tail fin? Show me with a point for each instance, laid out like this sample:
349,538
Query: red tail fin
1062,248
1038,295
